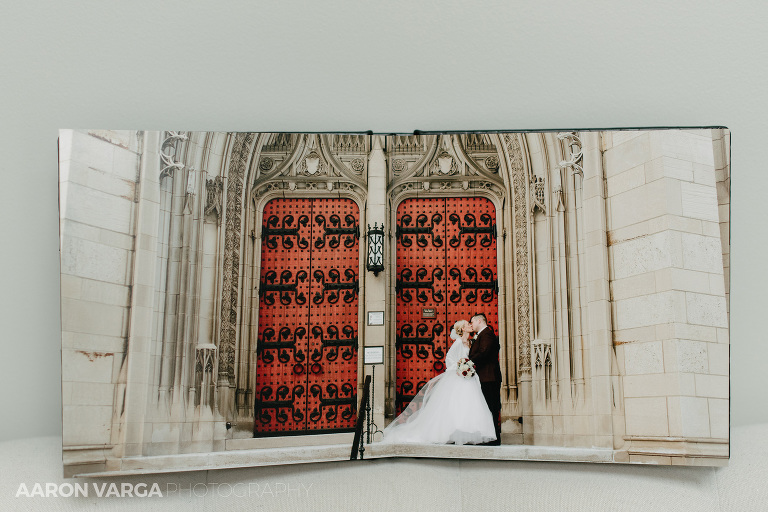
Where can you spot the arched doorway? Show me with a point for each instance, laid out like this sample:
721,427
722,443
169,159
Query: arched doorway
306,368
446,271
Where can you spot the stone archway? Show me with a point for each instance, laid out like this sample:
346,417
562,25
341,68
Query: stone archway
476,165
263,167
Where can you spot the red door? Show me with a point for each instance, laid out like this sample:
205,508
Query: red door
446,271
306,377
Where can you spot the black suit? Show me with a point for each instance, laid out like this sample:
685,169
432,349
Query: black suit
484,352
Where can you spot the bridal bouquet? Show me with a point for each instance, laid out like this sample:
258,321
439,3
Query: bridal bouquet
465,368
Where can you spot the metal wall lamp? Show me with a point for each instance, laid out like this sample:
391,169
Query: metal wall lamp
375,248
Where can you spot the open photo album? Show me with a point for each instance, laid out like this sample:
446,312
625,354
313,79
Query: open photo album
235,299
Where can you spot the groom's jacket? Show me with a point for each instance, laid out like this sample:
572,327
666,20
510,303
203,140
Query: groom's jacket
484,352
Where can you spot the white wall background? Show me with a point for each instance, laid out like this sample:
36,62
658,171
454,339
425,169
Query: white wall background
386,66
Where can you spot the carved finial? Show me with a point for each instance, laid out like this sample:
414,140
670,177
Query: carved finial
577,155
168,152
213,203
537,194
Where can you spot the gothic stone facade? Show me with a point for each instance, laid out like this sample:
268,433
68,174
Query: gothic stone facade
612,257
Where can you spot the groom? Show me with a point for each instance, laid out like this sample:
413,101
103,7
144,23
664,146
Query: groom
484,352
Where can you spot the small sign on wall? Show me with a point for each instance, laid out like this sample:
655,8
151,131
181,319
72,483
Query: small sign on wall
373,355
428,313
375,318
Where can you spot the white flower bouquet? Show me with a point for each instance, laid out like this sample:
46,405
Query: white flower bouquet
465,368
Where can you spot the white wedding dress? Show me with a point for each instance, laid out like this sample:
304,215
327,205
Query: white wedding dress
448,409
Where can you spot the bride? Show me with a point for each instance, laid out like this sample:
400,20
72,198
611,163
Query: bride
449,408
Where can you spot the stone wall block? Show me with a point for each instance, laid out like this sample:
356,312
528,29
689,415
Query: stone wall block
622,136
718,418
699,201
712,386
641,255
642,358
86,366
704,174
626,180
86,424
718,358
692,356
646,416
96,208
706,309
668,167
682,145
91,318
630,153
90,151
645,310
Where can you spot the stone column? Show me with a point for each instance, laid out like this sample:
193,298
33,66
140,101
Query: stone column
139,359
376,286
598,342
669,306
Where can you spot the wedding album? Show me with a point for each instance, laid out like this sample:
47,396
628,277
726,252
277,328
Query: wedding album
234,299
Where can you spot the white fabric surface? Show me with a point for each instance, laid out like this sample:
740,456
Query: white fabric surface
448,408
418,484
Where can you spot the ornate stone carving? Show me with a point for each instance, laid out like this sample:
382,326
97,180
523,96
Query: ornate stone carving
485,185
302,186
537,194
522,292
479,142
399,165
313,165
213,191
349,143
168,152
313,158
542,369
559,199
408,144
445,164
189,197
279,142
266,164
492,163
227,335
542,353
205,372
577,156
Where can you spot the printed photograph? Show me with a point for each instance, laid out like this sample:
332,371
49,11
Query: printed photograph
236,299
